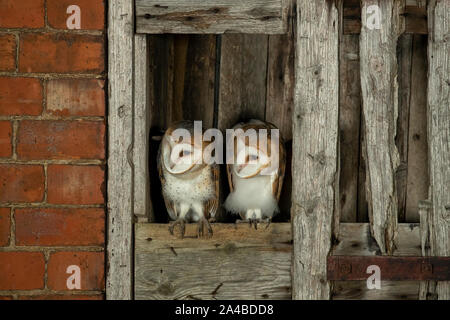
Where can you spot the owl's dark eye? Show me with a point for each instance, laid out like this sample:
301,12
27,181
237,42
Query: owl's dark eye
184,153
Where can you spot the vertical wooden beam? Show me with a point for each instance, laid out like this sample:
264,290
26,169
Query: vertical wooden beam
380,106
315,143
439,130
418,176
349,121
142,207
243,67
120,153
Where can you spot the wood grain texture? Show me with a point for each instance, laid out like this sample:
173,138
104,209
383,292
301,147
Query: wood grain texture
142,206
439,131
238,262
281,82
211,16
315,143
380,106
349,126
120,151
390,290
404,58
418,177
356,239
413,13
199,80
243,70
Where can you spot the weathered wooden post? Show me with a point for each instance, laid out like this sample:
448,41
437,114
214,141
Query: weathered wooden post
314,150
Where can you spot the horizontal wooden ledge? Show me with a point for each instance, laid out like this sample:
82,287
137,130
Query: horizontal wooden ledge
212,16
391,268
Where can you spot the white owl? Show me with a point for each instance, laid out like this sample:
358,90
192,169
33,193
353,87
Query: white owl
256,182
190,188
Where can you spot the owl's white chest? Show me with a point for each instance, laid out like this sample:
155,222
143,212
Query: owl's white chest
190,187
252,194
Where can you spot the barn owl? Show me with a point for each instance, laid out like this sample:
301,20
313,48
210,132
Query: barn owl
256,182
190,188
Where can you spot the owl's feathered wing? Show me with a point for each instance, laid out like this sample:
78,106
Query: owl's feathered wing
170,205
211,205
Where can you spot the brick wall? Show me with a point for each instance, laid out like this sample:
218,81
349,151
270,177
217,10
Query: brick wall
52,149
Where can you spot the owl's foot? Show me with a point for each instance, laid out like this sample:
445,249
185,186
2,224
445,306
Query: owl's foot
254,222
180,222
200,230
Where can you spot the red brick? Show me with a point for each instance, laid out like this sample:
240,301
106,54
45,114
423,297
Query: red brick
91,266
59,227
5,226
21,270
61,140
62,297
6,298
76,97
21,183
92,13
20,96
68,184
5,139
22,13
61,52
7,51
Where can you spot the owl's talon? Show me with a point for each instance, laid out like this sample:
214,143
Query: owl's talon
181,222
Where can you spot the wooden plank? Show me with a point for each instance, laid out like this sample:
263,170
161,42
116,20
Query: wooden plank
211,16
349,126
281,81
241,263
199,80
380,106
439,131
315,143
345,268
243,70
414,16
418,177
390,290
356,239
404,58
120,157
141,119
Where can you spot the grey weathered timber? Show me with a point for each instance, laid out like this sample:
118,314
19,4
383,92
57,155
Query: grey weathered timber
354,239
141,119
314,150
380,102
238,262
427,289
439,131
120,151
211,16
390,290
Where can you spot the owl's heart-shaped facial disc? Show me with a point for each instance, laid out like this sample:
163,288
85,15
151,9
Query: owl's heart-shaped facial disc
249,162
182,158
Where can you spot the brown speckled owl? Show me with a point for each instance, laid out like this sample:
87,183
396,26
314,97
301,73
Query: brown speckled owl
256,182
190,187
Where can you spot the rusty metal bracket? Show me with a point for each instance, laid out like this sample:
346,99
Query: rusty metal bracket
391,268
